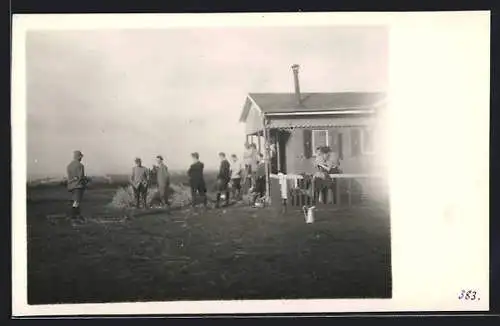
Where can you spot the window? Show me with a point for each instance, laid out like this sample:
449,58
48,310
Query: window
319,139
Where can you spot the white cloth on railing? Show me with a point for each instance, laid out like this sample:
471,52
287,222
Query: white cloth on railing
283,185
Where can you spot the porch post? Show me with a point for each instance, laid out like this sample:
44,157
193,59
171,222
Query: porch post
278,150
266,158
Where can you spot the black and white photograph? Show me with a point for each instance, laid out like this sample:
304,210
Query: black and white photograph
216,163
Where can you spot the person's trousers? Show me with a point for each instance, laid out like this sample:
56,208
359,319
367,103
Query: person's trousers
248,178
141,194
198,191
322,186
236,182
76,197
260,188
163,189
222,187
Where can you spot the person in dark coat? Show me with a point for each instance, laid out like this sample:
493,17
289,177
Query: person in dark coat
163,180
77,182
223,178
197,181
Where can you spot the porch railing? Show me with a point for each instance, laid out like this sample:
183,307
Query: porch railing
295,191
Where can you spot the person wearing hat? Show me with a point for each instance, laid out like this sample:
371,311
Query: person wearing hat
163,180
77,182
140,182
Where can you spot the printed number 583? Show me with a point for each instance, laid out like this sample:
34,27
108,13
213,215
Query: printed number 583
468,295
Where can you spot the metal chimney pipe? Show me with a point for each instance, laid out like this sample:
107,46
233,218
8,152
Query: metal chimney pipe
295,69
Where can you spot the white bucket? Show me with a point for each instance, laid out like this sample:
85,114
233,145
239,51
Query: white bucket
309,214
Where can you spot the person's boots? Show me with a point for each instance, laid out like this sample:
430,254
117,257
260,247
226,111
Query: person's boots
72,213
77,216
205,201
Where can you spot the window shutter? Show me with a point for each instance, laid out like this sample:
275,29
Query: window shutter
355,142
307,143
340,146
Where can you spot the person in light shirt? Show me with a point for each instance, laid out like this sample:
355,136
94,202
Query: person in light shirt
77,183
236,172
254,163
247,160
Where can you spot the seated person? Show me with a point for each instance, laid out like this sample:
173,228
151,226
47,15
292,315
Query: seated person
333,162
326,163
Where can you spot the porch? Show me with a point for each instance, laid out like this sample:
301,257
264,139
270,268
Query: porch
293,191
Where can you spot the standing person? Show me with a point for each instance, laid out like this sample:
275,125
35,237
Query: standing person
140,182
247,160
77,182
163,180
236,172
197,181
260,179
255,160
223,179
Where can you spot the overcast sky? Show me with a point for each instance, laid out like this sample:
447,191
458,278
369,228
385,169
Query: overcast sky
119,94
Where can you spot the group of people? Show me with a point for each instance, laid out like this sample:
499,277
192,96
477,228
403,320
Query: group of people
232,179
236,176
140,179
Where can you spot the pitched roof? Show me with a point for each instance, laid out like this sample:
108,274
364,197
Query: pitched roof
312,102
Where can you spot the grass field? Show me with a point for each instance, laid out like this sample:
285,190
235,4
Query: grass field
234,253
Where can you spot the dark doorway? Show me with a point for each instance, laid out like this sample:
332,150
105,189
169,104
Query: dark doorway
279,139
283,137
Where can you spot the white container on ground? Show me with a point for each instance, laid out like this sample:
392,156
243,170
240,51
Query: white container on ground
309,214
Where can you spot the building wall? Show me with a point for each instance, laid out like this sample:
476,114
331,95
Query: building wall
254,121
374,188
